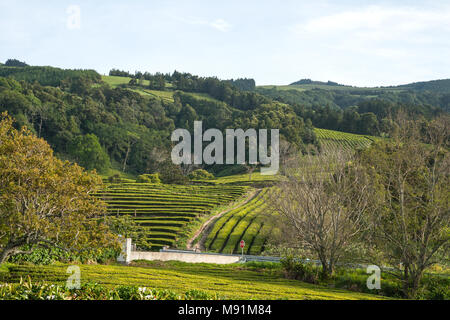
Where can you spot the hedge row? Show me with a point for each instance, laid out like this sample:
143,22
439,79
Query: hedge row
162,211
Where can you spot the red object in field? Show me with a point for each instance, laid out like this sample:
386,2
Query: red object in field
242,243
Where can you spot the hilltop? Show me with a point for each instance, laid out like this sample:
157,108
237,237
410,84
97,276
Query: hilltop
438,86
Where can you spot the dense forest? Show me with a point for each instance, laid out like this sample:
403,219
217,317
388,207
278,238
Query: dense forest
86,120
363,111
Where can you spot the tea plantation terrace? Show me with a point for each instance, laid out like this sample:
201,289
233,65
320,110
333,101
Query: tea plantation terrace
162,211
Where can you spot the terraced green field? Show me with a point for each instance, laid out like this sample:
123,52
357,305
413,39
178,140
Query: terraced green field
162,211
330,138
246,179
227,282
247,223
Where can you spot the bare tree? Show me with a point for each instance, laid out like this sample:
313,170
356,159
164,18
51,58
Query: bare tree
288,154
323,203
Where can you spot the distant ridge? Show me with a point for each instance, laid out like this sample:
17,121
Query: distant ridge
440,85
309,81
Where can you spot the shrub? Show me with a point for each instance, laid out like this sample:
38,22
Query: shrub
149,178
143,179
296,269
195,294
46,256
171,174
201,174
434,288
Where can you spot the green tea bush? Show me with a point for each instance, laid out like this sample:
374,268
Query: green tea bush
27,290
195,294
46,256
149,178
143,179
201,174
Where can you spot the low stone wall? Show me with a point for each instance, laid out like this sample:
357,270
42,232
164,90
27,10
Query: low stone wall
185,257
129,255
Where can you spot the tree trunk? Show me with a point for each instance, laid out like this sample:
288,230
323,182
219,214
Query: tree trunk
6,253
40,127
413,284
126,158
326,270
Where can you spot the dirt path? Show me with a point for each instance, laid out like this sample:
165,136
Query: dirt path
206,227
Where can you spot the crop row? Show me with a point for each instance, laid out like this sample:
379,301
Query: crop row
244,223
162,211
330,138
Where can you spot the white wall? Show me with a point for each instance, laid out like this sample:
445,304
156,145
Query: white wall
127,255
185,257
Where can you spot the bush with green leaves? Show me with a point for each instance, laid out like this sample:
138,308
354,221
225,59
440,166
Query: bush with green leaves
434,288
356,280
87,151
149,178
49,255
299,270
201,174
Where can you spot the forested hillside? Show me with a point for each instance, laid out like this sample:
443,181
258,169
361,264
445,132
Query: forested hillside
102,126
357,110
124,121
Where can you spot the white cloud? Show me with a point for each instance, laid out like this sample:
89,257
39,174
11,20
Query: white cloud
378,23
392,33
218,24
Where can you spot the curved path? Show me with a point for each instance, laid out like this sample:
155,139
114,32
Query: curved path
206,227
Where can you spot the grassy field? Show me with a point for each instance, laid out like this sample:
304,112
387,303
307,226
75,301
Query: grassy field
228,282
163,211
166,95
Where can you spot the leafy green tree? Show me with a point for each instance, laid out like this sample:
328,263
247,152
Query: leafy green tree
15,63
170,173
88,152
45,201
411,222
368,124
200,174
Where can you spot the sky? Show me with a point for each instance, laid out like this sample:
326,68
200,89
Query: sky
361,43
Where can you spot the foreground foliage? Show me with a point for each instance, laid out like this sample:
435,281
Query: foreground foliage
255,281
44,201
412,173
27,290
